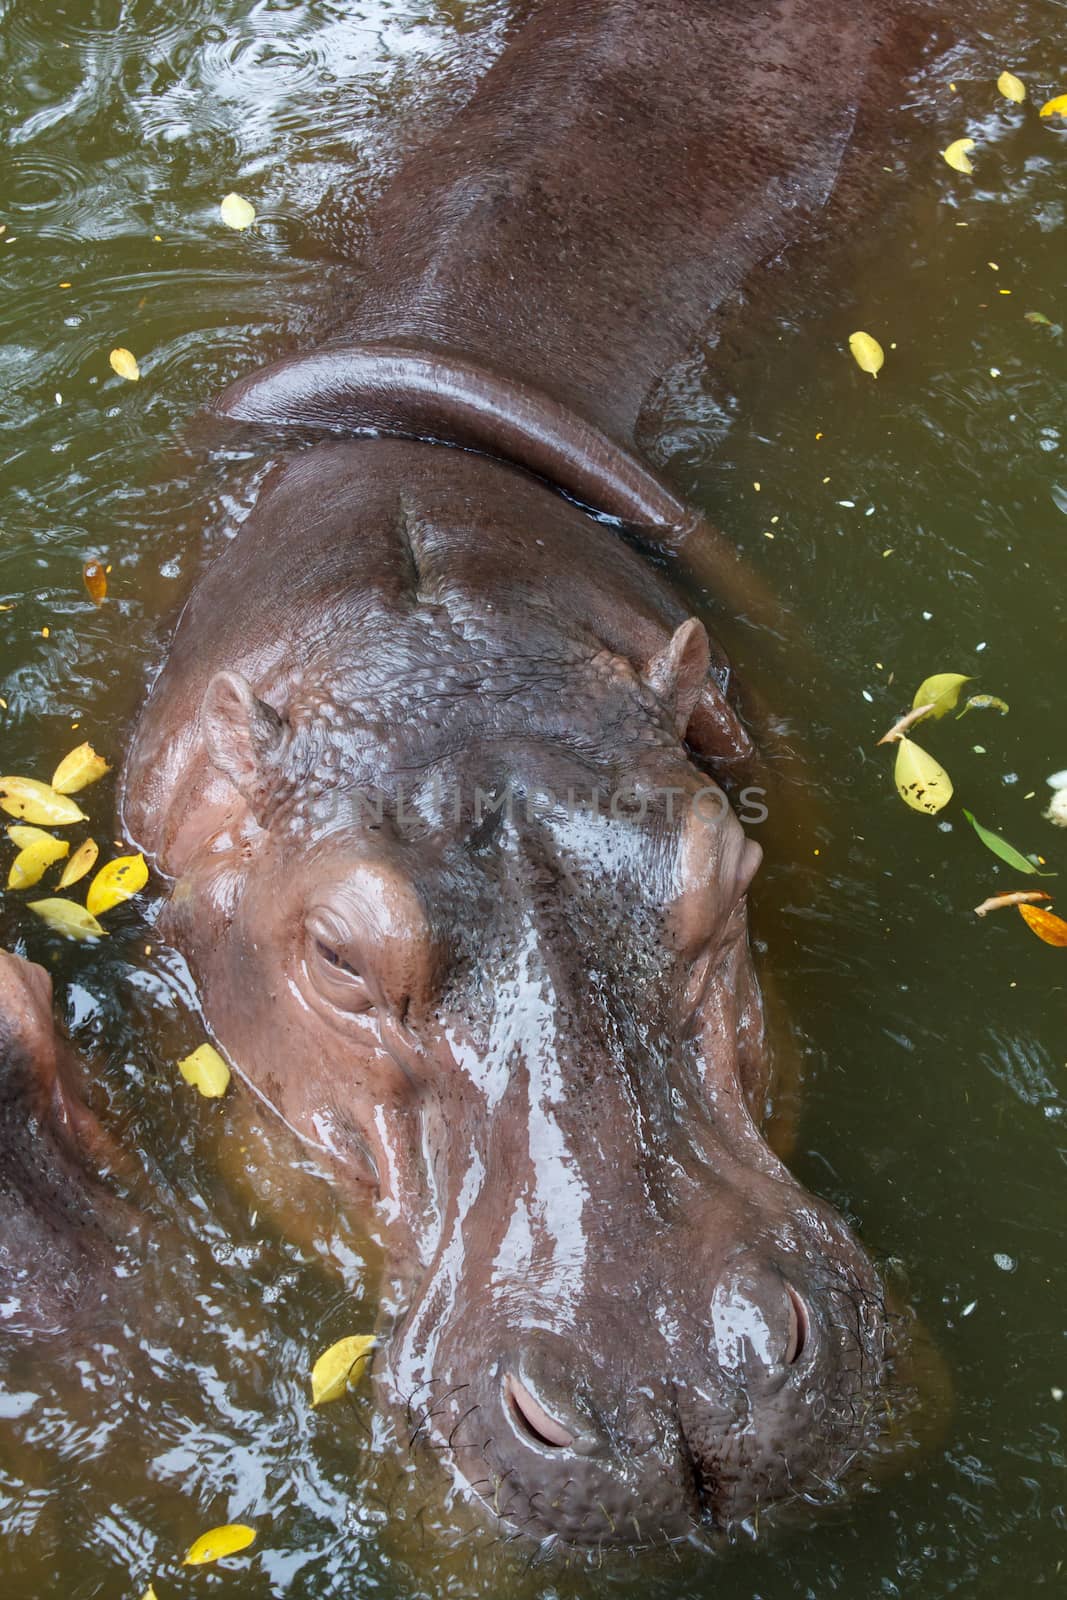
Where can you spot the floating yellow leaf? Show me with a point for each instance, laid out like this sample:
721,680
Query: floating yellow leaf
1046,924
118,881
29,865
81,862
124,362
23,836
219,1542
236,212
68,918
1056,107
1011,87
78,770
867,353
206,1071
922,783
37,802
940,692
332,1373
956,155
150,1594
94,576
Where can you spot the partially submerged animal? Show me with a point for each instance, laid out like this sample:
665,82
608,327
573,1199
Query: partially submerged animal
62,1227
435,767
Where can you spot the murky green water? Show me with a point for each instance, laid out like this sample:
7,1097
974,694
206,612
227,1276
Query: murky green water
919,524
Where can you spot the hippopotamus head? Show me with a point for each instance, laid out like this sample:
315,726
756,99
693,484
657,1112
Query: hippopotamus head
478,927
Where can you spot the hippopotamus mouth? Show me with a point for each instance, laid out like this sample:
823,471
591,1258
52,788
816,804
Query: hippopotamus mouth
663,1461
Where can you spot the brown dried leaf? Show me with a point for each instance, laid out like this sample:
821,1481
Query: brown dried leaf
899,729
1017,897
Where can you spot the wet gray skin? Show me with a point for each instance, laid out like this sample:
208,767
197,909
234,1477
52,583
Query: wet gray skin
633,1318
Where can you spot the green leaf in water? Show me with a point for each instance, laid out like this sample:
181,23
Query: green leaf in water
1038,319
1007,852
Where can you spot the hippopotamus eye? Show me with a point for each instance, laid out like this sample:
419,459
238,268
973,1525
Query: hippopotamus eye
333,974
334,959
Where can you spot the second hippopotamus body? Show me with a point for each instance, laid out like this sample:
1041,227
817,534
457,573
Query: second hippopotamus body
65,1232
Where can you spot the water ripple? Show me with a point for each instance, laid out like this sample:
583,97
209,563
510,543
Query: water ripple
134,27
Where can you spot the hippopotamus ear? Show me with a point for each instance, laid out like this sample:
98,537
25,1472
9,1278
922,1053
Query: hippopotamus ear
243,735
679,676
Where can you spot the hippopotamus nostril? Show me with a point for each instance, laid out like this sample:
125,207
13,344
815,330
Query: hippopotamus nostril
532,1417
761,1324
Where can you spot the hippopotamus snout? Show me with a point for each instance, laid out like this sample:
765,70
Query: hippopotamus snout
771,1407
688,1386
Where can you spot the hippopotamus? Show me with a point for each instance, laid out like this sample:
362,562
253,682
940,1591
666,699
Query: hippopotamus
65,1233
438,769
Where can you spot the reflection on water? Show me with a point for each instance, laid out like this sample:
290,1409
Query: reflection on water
916,524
